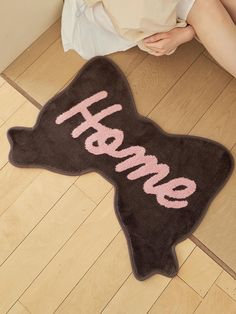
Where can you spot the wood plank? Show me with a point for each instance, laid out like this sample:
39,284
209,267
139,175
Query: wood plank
212,255
54,69
98,286
219,122
60,276
30,55
89,184
32,205
10,101
200,271
106,277
128,60
217,302
154,77
53,62
50,72
42,244
209,56
217,230
228,284
84,275
2,81
190,98
24,116
13,181
178,298
138,296
18,308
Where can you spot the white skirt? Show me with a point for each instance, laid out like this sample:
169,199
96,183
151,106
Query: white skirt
90,32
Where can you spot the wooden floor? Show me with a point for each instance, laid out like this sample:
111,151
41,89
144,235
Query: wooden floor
61,247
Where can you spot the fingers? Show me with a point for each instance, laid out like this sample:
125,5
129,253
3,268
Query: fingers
156,49
155,37
159,46
162,47
155,53
170,52
156,46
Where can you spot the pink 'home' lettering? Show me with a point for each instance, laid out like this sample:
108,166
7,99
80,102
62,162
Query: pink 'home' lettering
170,194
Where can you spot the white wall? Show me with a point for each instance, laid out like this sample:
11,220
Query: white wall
22,22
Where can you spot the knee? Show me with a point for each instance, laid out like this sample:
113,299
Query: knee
205,5
203,11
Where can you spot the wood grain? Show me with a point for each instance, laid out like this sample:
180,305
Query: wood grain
200,271
30,55
217,230
217,302
62,248
177,298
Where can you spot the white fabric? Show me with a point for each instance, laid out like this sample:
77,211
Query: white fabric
183,8
90,31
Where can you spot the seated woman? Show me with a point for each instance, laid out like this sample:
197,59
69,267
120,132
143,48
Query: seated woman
93,27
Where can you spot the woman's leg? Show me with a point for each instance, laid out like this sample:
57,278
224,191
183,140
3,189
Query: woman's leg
230,6
216,30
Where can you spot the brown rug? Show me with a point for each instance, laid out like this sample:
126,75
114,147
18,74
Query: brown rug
164,183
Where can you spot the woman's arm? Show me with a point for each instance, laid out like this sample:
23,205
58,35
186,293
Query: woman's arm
164,43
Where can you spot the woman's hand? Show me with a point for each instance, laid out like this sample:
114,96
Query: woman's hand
166,43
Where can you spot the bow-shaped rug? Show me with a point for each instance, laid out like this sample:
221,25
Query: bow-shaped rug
164,183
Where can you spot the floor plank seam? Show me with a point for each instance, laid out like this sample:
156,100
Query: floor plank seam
18,196
74,75
172,86
200,303
159,296
212,104
187,284
86,193
180,279
3,166
28,66
39,106
215,258
21,91
156,275
24,306
131,71
37,222
95,261
64,244
226,293
34,42
12,114
130,274
205,296
202,53
57,254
